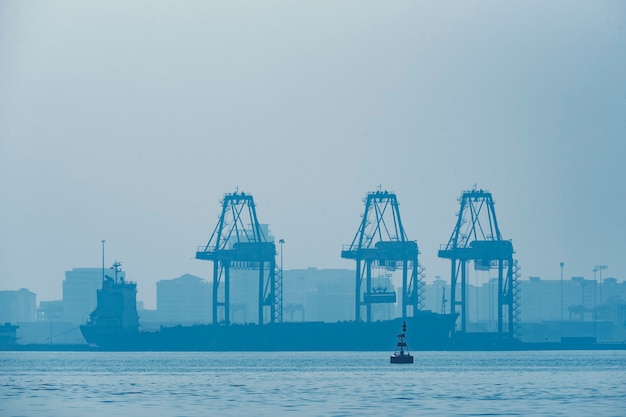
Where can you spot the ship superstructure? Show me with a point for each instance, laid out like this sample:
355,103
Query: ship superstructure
116,311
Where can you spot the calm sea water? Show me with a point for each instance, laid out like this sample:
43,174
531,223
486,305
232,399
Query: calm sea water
561,383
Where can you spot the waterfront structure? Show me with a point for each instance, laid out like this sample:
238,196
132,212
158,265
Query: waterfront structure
238,238
381,241
244,276
19,306
476,238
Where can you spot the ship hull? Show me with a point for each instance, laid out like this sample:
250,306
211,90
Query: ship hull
429,331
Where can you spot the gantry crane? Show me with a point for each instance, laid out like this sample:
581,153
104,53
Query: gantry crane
238,237
382,241
476,237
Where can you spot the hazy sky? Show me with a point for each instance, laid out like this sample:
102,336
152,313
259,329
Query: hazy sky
129,121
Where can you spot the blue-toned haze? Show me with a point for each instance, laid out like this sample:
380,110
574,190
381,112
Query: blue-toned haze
128,121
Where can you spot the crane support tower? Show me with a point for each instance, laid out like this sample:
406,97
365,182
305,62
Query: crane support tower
238,240
382,241
476,237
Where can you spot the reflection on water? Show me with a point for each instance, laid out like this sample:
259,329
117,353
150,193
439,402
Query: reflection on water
312,384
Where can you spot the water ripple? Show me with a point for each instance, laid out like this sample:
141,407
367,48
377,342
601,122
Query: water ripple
320,384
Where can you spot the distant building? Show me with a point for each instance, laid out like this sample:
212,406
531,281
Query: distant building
184,300
437,295
541,299
550,309
244,293
80,292
49,326
18,306
318,295
50,310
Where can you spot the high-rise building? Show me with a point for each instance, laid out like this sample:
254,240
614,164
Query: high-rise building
184,300
18,306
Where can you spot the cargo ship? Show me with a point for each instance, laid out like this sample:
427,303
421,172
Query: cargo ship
114,325
239,238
